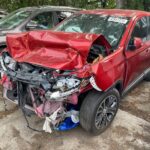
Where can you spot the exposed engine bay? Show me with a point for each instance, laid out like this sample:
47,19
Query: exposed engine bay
46,91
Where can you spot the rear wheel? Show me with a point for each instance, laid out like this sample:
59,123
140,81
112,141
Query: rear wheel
98,110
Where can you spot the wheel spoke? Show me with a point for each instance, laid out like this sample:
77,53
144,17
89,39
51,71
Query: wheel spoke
107,116
104,122
104,103
111,110
111,100
98,121
106,112
99,111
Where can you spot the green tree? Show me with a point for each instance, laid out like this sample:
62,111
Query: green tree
11,5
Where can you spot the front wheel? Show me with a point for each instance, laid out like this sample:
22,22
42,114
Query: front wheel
98,110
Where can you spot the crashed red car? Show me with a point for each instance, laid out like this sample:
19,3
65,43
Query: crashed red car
77,73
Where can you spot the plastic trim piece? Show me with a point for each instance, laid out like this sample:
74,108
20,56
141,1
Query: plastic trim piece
94,85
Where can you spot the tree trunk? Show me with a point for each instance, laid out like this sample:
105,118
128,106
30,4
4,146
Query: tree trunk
120,3
146,5
103,3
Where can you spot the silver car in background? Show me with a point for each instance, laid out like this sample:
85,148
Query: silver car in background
3,13
33,18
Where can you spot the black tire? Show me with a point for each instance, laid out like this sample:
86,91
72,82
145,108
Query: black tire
92,105
147,78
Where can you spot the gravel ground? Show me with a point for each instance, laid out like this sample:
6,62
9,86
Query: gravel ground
129,131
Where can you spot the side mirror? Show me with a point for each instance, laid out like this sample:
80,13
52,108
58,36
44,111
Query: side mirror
137,42
134,44
31,25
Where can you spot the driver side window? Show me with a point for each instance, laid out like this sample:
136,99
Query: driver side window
140,30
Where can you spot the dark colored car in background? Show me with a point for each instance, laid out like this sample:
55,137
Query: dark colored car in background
33,18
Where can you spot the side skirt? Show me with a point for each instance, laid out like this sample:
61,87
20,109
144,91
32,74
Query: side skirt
135,82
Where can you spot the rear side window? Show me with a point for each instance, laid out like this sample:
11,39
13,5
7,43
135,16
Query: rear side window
141,29
14,19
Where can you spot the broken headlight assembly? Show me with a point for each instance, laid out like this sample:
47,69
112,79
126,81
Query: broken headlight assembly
63,87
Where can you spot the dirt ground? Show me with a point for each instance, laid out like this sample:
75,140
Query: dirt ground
129,131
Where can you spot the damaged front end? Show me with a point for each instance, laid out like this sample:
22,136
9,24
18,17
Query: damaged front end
47,92
47,72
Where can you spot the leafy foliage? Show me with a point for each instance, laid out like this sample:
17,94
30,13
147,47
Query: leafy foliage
11,5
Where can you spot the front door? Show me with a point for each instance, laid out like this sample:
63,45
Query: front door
136,58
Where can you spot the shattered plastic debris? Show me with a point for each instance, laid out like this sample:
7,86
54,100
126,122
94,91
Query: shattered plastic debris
49,120
93,83
67,124
46,126
74,115
71,121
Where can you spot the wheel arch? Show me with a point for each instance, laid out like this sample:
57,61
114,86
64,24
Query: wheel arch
117,85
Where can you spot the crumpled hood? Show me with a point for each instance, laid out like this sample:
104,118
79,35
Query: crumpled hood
59,50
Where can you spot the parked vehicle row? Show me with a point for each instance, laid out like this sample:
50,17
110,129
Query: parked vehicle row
32,18
77,72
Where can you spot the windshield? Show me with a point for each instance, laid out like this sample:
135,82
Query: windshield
111,27
14,19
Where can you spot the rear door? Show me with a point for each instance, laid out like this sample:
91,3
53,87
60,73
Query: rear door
137,60
43,20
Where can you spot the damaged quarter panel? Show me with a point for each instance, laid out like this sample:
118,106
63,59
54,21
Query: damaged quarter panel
110,70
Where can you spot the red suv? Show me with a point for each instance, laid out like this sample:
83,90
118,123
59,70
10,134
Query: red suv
78,72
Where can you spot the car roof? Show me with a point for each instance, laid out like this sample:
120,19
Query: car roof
117,12
53,8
